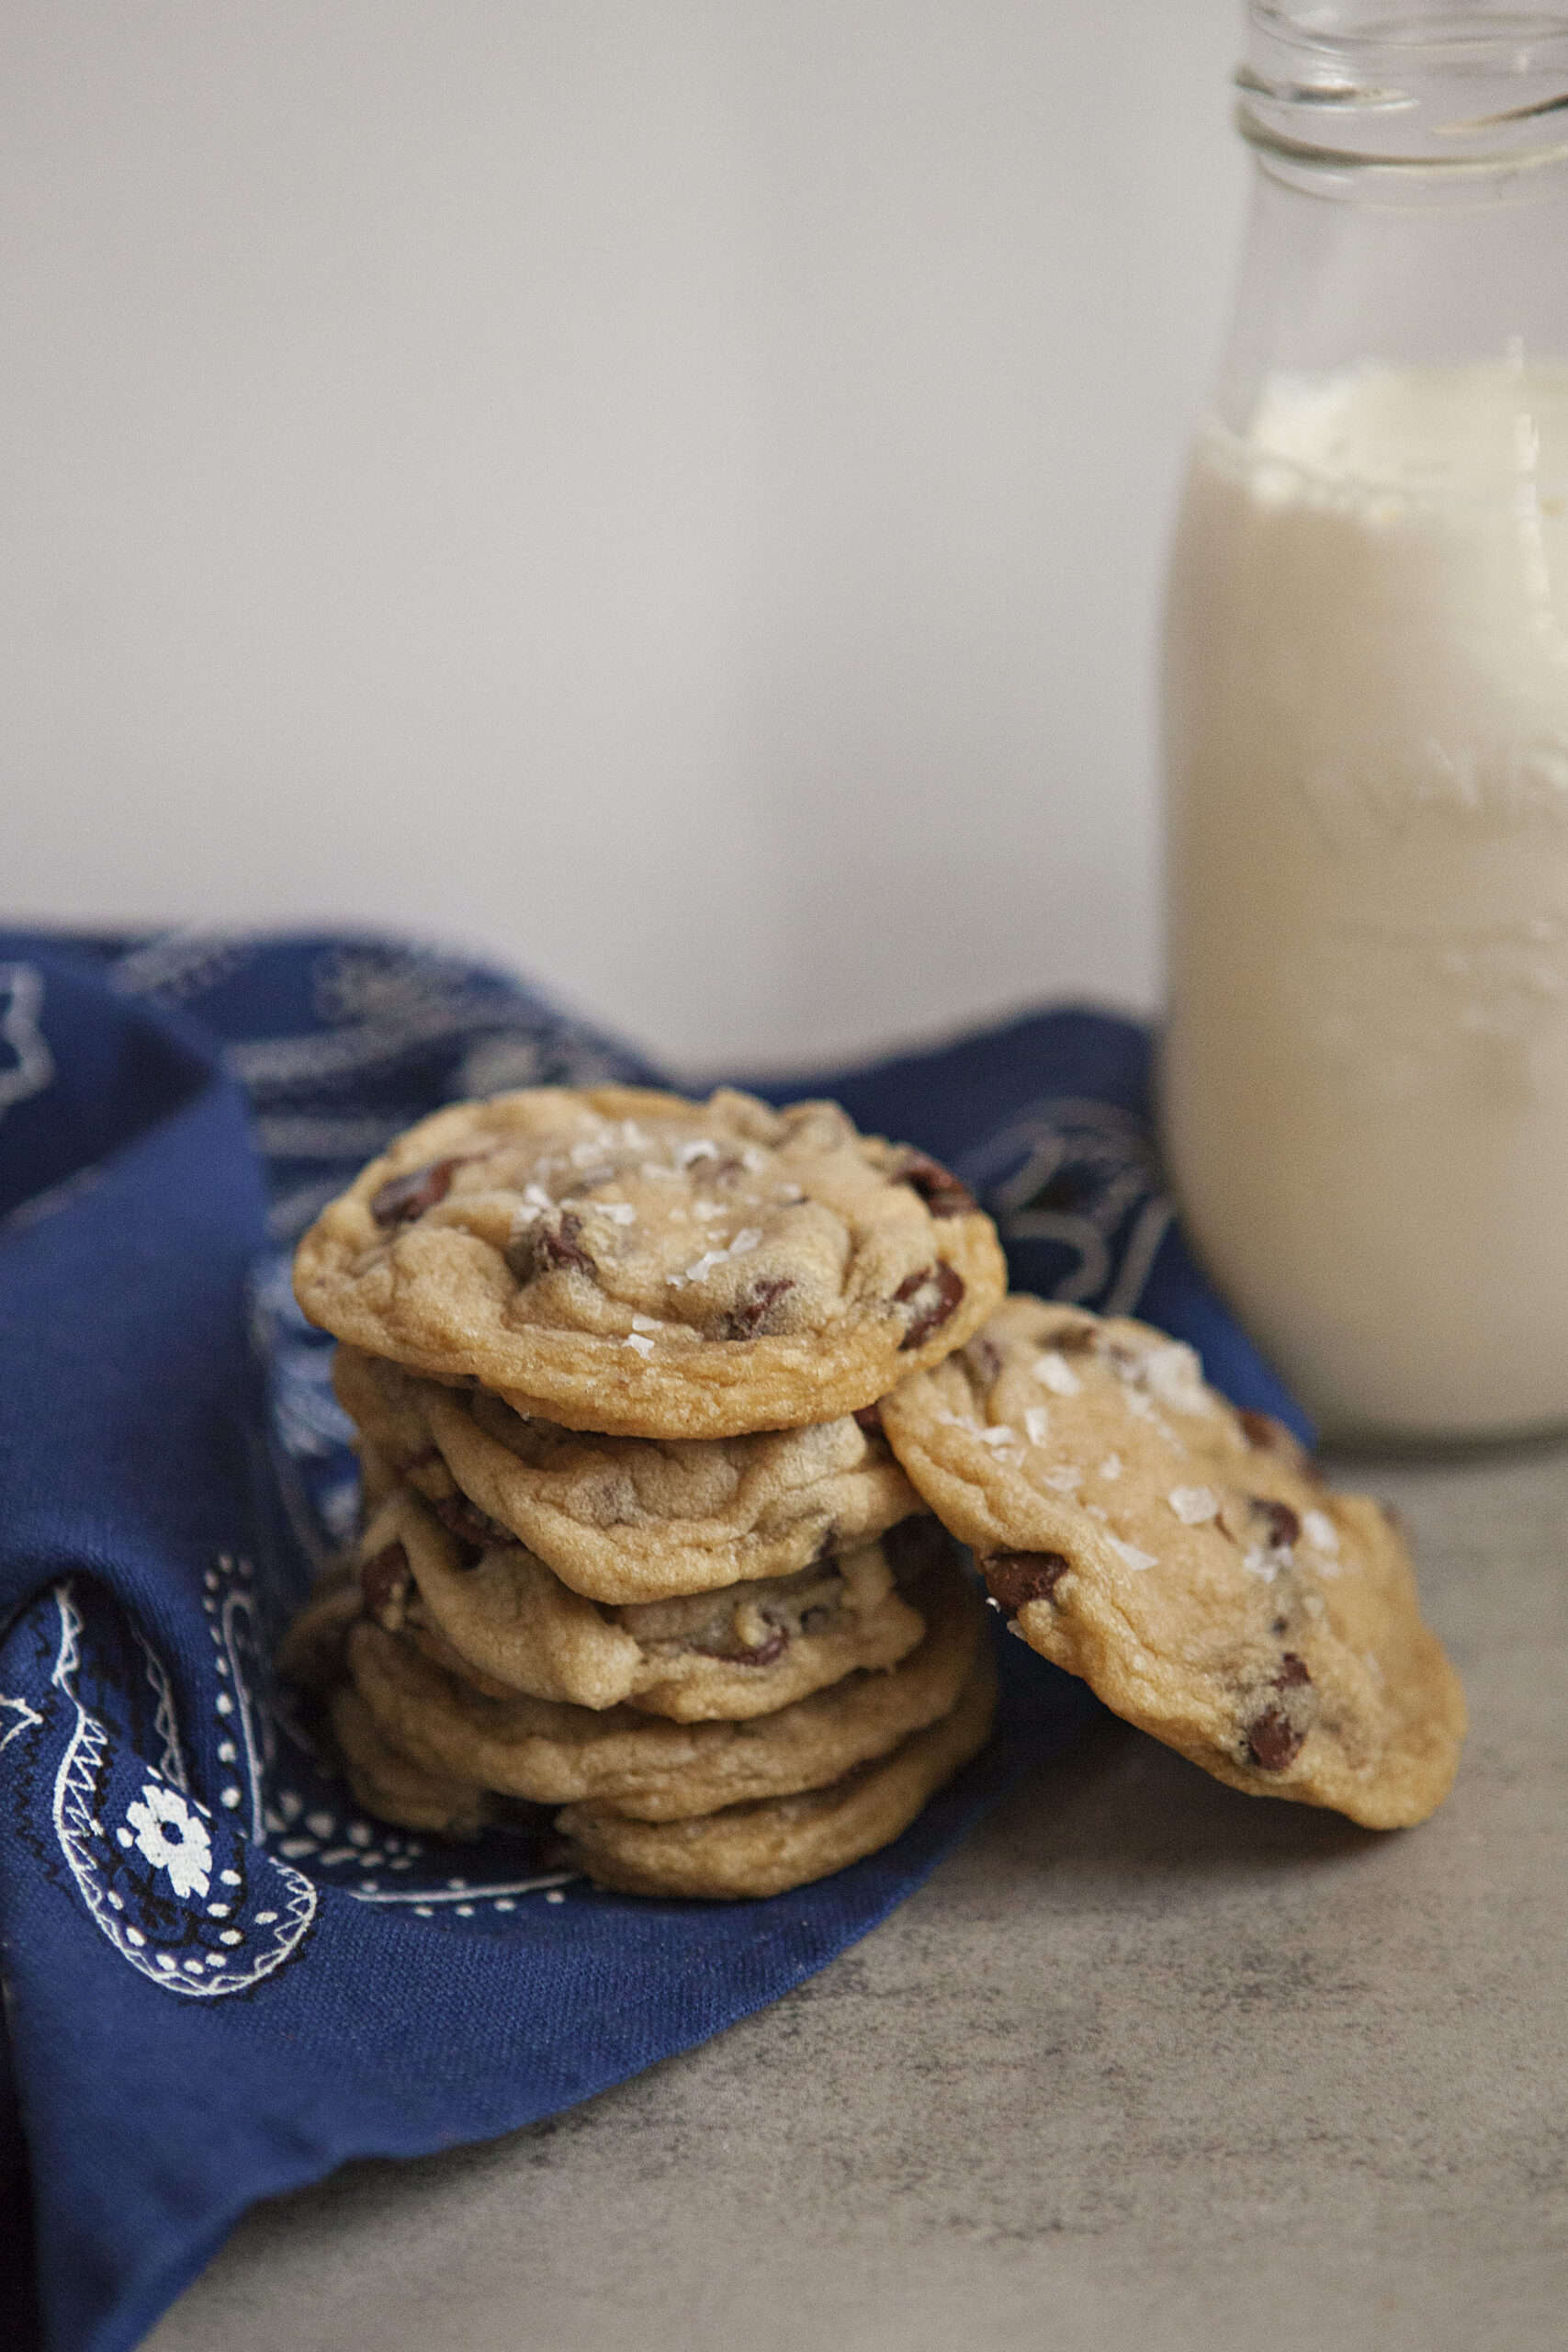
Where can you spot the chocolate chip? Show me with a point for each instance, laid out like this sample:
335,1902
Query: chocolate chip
1283,1526
753,1313
401,1199
471,1526
813,1620
1012,1578
384,1578
772,1650
985,1358
1276,1734
1266,1435
1273,1741
870,1419
540,1248
933,1293
1074,1339
937,1186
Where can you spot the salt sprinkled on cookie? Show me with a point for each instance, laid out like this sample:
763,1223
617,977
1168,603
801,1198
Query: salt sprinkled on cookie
1261,1625
512,1241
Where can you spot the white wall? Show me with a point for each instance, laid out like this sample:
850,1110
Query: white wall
670,491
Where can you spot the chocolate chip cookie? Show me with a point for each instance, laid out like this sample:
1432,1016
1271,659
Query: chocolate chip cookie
1186,1560
628,1518
620,1260
469,1730
743,1650
391,1786
760,1848
778,1842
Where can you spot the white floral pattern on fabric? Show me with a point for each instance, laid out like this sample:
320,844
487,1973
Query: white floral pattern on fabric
188,1856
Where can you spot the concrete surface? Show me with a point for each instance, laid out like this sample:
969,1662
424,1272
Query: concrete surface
1148,2064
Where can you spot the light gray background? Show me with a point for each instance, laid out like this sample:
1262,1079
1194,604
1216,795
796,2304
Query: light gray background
673,492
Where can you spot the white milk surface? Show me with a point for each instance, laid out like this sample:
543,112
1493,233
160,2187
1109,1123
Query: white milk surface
1366,1074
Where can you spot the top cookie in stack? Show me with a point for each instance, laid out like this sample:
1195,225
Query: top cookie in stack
631,1551
622,1261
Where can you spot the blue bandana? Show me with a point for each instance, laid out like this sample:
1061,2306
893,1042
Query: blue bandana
221,1979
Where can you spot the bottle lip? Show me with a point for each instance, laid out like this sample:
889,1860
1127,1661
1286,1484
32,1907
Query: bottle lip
1404,88
1474,32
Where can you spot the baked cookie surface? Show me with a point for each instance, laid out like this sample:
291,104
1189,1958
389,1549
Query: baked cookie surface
742,1650
389,1785
622,1259
628,1518
471,1731
760,1848
1186,1561
778,1842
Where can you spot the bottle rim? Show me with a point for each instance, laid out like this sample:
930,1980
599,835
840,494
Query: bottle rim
1472,33
1371,83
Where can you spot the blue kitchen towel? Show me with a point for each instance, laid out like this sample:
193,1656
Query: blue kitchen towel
220,1981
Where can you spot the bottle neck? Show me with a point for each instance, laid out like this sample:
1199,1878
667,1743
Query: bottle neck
1410,197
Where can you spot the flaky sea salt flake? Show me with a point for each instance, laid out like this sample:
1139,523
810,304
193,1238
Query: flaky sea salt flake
1129,1555
1194,1506
1173,1373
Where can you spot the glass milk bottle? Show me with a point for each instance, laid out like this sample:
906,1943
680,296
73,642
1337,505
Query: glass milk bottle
1365,1077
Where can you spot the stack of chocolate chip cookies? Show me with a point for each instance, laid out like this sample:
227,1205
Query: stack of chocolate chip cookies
635,1546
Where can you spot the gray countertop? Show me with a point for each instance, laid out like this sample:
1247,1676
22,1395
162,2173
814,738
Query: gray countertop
1146,2063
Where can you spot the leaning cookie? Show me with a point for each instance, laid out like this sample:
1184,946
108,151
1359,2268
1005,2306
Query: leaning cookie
1186,1562
620,1260
778,1842
628,1518
748,1650
473,1731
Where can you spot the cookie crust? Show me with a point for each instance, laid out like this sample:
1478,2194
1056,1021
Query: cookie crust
1186,1560
627,1519
743,1650
390,1785
554,1753
621,1259
780,1842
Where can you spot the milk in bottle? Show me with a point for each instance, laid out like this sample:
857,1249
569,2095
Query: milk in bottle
1364,1082
1366,1072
